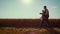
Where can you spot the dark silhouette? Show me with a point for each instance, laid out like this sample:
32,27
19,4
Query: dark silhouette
44,17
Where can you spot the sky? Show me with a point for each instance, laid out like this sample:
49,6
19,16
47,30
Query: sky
28,8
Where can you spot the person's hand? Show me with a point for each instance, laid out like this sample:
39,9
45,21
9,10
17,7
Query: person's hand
40,13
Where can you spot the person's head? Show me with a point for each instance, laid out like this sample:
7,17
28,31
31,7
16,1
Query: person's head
45,7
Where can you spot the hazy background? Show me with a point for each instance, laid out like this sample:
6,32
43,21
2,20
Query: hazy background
28,8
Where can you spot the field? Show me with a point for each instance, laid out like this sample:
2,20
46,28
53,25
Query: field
12,30
28,26
26,22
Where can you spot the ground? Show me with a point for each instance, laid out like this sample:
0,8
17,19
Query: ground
13,30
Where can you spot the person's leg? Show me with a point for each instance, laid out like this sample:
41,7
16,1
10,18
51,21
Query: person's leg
48,24
41,23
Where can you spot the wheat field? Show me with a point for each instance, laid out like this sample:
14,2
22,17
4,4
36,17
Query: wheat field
13,30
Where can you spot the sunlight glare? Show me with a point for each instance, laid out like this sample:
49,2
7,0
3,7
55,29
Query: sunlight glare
26,2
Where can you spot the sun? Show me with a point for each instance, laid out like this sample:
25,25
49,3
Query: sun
26,2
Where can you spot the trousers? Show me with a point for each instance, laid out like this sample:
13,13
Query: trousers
45,21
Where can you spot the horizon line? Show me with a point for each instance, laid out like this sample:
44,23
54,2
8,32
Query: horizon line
27,18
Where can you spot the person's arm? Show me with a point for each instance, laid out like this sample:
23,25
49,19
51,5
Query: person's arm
42,12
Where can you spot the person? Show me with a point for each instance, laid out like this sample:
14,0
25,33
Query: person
44,17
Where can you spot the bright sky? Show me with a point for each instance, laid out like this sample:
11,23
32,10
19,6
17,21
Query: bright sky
28,8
